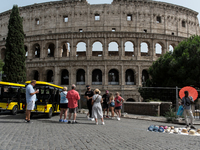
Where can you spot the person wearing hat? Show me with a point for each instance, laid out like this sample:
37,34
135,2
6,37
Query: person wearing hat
106,100
97,109
186,102
63,105
88,95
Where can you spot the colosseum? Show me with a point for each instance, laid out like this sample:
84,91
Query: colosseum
108,46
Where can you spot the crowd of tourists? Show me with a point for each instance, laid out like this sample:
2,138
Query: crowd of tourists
97,105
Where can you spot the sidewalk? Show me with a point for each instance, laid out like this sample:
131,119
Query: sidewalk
148,118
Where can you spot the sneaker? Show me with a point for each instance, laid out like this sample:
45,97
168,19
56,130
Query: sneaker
74,122
103,123
187,126
60,120
118,119
25,120
87,116
69,122
96,123
92,119
65,121
113,118
28,121
192,127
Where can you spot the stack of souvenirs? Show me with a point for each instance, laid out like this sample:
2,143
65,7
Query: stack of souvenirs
174,130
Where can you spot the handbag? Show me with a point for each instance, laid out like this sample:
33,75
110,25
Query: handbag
180,111
94,100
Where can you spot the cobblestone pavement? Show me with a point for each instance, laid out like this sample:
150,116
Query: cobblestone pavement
44,134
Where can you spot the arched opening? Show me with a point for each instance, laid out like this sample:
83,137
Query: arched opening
80,77
81,49
145,77
51,48
158,49
97,77
97,49
66,50
36,50
65,77
171,48
130,100
130,77
129,49
113,77
144,49
113,49
26,50
50,77
36,75
3,52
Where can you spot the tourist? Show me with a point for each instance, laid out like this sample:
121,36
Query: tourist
118,105
106,97
63,105
30,99
186,102
73,97
88,95
112,104
97,109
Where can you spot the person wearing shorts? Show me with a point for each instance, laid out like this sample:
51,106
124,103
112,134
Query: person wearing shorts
118,105
30,99
63,105
88,95
106,101
73,97
112,104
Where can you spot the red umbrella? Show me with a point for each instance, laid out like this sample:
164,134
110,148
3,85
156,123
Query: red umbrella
192,92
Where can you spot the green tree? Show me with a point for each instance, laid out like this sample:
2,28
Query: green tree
1,65
14,67
180,68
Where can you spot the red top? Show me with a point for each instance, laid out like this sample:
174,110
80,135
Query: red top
73,97
116,103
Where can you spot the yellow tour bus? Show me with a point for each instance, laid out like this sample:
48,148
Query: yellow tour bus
12,97
48,99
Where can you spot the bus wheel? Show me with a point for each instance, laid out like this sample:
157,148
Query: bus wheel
14,110
49,115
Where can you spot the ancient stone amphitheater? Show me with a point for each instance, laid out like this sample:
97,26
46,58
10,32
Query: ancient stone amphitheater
108,46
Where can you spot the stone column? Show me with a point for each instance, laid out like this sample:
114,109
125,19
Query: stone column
167,46
151,48
105,76
122,75
139,77
43,50
88,49
56,76
56,52
88,76
72,50
137,48
105,51
30,51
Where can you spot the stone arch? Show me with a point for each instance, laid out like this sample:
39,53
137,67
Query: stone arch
145,76
97,49
113,49
65,51
64,77
81,49
130,77
113,77
158,49
50,49
3,52
144,48
171,47
36,50
96,77
49,76
26,50
130,100
129,48
35,75
80,77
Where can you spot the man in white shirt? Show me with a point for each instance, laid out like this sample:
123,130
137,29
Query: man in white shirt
30,99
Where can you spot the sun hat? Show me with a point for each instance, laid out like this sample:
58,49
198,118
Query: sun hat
150,128
176,130
161,129
97,91
165,127
184,130
192,132
172,127
167,130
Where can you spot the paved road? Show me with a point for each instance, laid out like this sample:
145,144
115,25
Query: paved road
127,134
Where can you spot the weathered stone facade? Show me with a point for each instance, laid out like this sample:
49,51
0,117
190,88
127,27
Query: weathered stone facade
54,30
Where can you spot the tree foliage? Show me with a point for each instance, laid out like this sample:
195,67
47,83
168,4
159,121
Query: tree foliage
14,67
179,68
